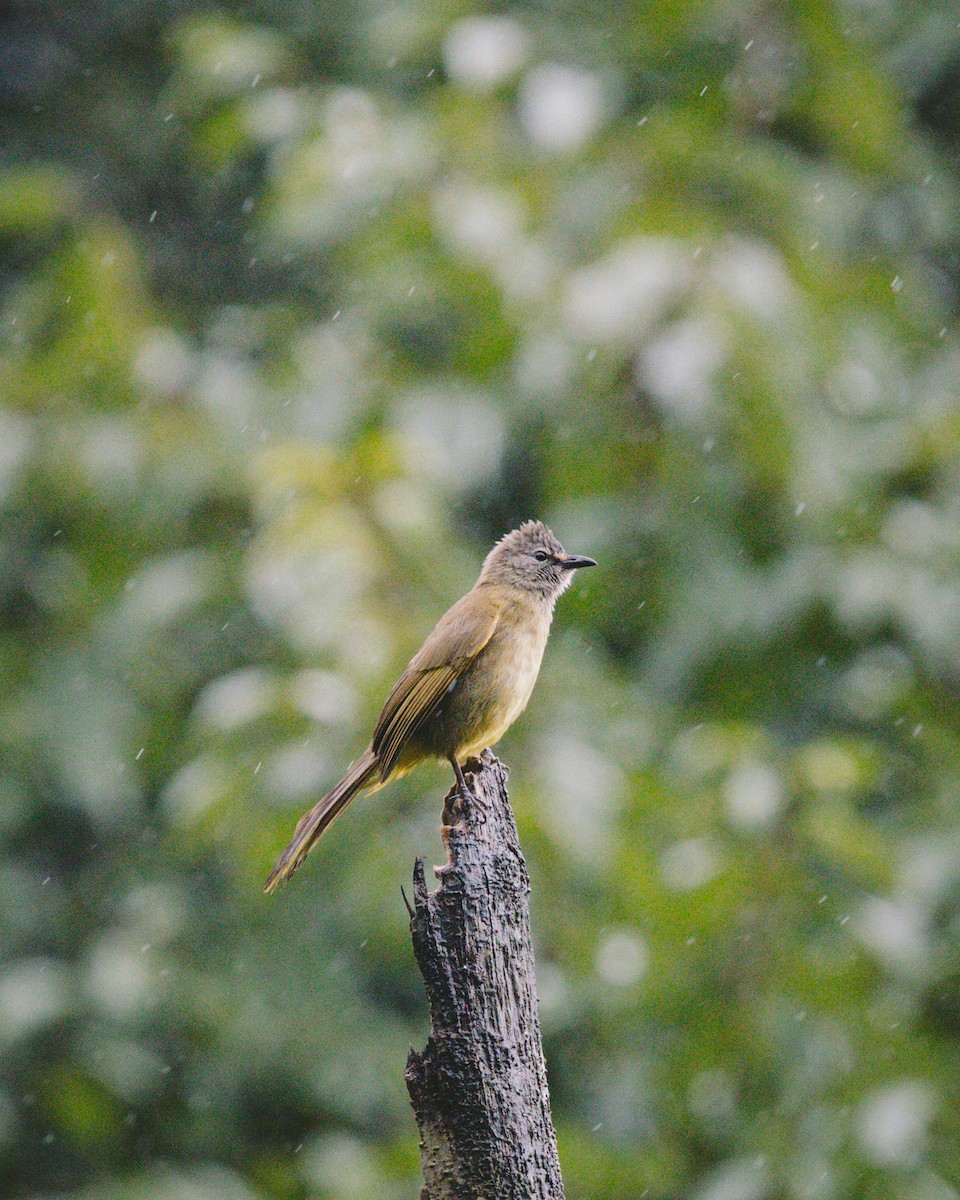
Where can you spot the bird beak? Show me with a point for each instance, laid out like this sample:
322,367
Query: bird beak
573,561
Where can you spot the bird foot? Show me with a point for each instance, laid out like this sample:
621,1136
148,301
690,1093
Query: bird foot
462,796
473,766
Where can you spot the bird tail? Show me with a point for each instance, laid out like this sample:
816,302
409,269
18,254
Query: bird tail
311,825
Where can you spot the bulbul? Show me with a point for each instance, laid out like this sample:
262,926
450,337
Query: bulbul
466,685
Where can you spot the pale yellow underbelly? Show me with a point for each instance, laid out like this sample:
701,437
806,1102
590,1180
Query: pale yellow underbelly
496,689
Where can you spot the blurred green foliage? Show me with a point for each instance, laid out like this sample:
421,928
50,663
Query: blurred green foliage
303,305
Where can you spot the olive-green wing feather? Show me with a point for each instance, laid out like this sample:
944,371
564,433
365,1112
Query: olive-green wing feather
460,635
417,694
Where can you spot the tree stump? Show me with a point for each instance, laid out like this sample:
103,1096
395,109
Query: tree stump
479,1088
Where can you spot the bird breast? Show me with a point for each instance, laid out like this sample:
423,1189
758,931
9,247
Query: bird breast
495,688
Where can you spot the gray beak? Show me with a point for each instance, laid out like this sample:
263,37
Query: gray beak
573,561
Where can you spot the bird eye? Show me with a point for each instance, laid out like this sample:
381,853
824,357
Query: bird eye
541,556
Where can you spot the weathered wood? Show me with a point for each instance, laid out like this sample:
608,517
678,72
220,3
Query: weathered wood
479,1089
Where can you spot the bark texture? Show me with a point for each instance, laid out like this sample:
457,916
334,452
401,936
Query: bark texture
479,1089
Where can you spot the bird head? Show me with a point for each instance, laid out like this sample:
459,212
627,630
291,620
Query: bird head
532,559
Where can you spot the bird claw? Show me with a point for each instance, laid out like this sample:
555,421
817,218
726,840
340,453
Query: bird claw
475,802
471,767
461,800
462,796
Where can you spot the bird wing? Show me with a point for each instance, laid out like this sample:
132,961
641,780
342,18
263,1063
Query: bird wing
459,636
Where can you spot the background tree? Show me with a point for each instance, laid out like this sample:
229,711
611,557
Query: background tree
302,305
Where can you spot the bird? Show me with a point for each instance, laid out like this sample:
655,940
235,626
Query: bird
465,686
